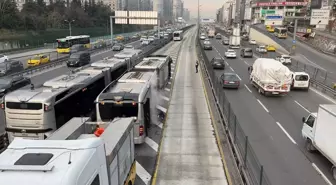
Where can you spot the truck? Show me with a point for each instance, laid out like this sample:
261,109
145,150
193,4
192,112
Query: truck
235,39
211,33
319,132
80,152
270,77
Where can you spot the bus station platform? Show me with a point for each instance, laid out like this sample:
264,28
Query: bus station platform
188,153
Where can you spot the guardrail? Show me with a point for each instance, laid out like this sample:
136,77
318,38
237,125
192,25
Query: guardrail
249,166
320,79
58,61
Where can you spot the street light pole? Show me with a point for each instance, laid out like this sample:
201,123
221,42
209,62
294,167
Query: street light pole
69,22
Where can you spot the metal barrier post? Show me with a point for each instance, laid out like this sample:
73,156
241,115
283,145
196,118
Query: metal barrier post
235,130
245,154
261,174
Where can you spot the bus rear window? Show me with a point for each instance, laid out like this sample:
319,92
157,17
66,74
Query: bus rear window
109,111
176,34
28,106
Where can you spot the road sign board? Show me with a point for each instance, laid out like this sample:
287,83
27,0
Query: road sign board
294,41
274,17
319,17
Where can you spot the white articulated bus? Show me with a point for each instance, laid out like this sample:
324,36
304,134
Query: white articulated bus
178,35
132,55
160,64
35,113
130,96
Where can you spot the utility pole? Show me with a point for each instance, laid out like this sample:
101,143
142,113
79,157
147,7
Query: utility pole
69,22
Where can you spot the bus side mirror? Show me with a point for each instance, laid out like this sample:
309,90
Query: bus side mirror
303,119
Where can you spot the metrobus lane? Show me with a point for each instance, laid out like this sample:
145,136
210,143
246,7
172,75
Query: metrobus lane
40,77
287,111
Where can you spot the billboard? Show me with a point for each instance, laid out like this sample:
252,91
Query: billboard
281,4
136,17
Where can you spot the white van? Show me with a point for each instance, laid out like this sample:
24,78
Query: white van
300,81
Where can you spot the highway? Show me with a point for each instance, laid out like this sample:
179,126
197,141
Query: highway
273,125
313,57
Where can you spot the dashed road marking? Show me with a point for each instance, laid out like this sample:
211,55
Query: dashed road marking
166,89
169,83
152,144
304,108
248,88
246,63
143,174
283,129
239,77
263,105
231,69
165,98
164,110
320,172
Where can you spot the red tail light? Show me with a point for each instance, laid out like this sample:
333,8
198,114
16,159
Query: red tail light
226,82
141,130
46,107
3,105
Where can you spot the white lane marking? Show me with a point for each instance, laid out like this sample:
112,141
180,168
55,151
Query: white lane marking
239,77
159,124
312,62
173,64
161,108
142,173
218,52
226,62
320,172
152,144
169,83
304,108
246,63
263,105
290,138
248,88
167,89
231,69
165,98
323,95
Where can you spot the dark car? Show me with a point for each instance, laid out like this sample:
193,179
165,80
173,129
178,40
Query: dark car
79,59
218,63
10,67
118,47
218,36
225,42
207,47
246,52
8,84
230,80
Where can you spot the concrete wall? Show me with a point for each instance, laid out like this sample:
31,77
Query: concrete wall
264,39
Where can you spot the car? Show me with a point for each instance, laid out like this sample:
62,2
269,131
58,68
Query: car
129,47
253,42
151,38
218,36
230,53
202,37
261,49
145,42
118,47
143,38
3,58
38,60
206,42
229,80
246,52
284,59
207,47
270,48
8,84
11,66
217,63
225,42
79,59
245,37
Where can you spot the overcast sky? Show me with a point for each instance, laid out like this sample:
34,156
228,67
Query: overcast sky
207,10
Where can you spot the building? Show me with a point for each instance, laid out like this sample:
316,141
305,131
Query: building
20,3
168,11
177,9
186,14
158,6
146,5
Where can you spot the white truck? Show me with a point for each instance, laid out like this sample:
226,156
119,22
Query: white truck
211,33
270,77
235,39
80,152
319,132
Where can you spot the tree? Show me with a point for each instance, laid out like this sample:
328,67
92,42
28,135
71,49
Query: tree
9,14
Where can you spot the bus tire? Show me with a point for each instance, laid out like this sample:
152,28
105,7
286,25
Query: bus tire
130,183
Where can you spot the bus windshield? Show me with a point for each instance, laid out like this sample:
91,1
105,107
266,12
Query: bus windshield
109,111
63,44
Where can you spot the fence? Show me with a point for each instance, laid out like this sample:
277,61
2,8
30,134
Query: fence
252,171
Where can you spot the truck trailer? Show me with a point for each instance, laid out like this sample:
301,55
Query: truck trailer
79,153
319,133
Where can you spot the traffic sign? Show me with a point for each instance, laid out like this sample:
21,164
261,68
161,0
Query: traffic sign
274,17
319,17
294,41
